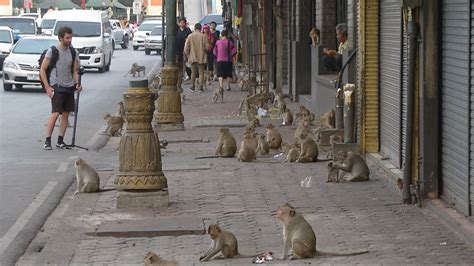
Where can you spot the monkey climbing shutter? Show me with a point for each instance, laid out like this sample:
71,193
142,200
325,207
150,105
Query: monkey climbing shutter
455,103
390,77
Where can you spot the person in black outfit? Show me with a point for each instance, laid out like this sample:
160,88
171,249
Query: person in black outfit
181,36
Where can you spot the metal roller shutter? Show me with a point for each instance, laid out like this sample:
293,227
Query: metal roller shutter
471,178
390,80
404,96
455,103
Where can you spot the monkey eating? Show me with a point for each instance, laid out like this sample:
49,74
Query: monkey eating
273,137
222,241
114,125
87,179
153,259
247,152
299,236
352,164
226,145
136,69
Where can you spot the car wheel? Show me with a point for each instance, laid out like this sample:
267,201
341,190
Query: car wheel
135,48
147,51
7,87
107,67
124,45
18,86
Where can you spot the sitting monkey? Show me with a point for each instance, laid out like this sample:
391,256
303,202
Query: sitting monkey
226,145
247,152
354,165
314,35
273,137
114,125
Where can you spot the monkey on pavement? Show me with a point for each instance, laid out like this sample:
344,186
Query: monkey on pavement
247,151
354,165
299,236
302,129
293,155
87,179
262,147
153,259
273,137
218,93
287,118
226,145
309,150
222,241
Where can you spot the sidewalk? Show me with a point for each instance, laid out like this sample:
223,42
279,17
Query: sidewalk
243,197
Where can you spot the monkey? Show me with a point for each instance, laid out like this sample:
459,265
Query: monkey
304,112
222,241
354,165
136,69
328,119
251,113
256,100
335,138
121,109
114,125
287,118
247,152
302,129
273,137
309,150
333,173
298,235
285,147
293,154
262,147
218,93
314,35
278,101
153,259
226,145
252,125
87,179
254,140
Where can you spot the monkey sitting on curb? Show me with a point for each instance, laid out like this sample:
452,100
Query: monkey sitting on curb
222,241
299,236
353,164
226,145
137,69
153,259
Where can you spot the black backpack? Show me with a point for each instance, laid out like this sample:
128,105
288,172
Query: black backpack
54,59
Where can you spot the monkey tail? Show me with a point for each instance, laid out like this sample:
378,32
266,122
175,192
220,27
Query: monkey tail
323,160
105,190
322,253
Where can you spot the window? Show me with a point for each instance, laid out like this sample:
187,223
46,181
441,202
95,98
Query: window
80,29
33,46
19,25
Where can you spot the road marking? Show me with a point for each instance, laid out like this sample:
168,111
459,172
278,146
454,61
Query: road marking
24,218
62,167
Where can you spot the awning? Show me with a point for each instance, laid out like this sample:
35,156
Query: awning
60,4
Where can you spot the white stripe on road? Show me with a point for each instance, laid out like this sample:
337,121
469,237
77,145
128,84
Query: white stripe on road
24,218
62,167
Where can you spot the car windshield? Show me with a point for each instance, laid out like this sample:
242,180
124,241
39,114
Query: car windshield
157,30
79,28
19,25
148,26
210,18
48,23
5,36
33,46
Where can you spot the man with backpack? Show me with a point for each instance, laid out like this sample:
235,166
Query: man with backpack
60,78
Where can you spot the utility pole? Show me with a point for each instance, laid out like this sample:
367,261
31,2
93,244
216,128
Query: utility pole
181,8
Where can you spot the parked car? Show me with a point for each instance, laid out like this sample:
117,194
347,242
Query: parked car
48,21
21,68
143,31
92,36
21,26
121,35
154,42
6,43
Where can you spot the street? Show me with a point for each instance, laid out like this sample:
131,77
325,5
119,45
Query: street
33,180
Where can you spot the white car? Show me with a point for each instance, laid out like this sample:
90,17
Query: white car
121,35
143,31
6,43
154,42
21,67
36,16
48,21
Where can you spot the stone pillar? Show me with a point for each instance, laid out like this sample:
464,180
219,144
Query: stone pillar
168,117
140,181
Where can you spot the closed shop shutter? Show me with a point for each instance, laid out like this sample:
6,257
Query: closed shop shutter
455,103
471,176
390,30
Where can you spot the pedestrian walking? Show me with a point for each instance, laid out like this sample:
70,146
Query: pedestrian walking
217,35
60,78
181,36
224,51
210,51
195,51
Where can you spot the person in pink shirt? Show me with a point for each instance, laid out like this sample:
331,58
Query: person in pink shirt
224,50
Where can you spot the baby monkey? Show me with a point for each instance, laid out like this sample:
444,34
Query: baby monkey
222,241
218,93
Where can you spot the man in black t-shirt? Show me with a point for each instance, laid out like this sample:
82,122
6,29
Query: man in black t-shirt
181,36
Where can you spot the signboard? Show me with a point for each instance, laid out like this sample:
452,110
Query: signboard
137,8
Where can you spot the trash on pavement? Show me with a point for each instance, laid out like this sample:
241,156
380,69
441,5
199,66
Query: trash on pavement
261,112
279,156
267,256
307,182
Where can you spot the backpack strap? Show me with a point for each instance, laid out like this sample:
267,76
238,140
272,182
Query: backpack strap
73,54
54,57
